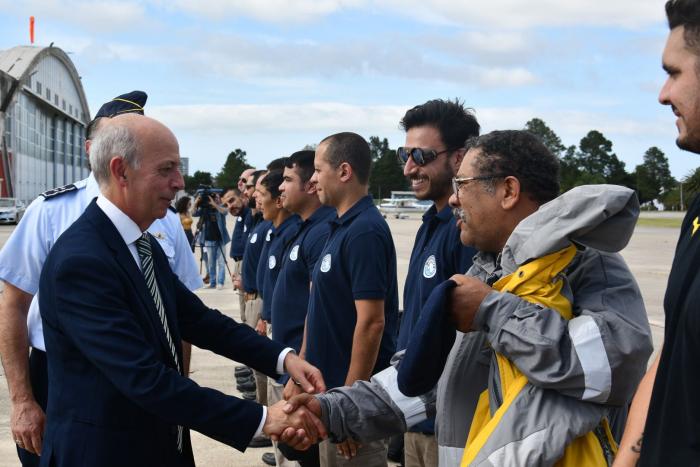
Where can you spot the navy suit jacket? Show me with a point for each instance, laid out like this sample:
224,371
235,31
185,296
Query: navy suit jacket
115,396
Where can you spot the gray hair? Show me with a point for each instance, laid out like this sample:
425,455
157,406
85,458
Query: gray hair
112,141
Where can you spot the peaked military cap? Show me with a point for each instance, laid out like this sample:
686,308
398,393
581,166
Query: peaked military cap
133,101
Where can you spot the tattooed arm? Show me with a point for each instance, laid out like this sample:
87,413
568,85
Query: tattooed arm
631,444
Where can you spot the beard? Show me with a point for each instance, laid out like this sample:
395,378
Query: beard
439,185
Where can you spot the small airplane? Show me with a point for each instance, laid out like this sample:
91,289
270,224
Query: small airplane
401,204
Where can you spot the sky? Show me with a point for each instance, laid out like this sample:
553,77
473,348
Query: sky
271,76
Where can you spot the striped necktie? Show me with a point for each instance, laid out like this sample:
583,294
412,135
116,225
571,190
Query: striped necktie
143,246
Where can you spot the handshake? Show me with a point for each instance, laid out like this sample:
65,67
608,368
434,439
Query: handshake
296,421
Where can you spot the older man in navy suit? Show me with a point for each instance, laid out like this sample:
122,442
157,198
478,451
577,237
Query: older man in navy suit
114,318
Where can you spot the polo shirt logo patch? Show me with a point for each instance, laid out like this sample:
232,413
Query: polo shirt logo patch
267,238
271,262
254,238
294,254
696,225
326,263
430,267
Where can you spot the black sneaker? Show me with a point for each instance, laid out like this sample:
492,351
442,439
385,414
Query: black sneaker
246,380
260,442
246,387
242,371
269,458
249,396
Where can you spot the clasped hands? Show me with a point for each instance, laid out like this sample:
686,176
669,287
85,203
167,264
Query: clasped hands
298,424
296,420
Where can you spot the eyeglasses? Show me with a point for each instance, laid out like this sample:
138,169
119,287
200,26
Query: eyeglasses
458,182
420,156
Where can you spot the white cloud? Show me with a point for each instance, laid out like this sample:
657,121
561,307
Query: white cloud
518,14
490,15
312,117
503,77
275,11
253,60
95,16
571,125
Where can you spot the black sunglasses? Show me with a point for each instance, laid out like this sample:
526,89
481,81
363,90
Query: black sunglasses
420,156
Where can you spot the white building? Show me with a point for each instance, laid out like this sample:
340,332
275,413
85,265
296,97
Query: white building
43,115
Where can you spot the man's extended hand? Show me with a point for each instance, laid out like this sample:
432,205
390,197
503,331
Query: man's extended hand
465,299
302,372
348,448
299,429
303,400
27,425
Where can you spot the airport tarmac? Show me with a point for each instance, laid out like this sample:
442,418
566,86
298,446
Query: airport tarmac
649,255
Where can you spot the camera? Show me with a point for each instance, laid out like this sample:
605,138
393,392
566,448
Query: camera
203,193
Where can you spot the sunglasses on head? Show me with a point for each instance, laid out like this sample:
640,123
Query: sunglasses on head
420,156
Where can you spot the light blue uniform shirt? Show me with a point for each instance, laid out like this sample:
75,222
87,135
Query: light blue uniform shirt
24,253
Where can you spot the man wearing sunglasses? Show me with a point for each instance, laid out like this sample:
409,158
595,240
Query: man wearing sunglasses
435,136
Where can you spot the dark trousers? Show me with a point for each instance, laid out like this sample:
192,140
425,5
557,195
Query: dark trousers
39,379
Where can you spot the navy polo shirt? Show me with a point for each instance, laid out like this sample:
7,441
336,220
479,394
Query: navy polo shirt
437,255
260,269
281,236
358,262
244,222
290,298
253,250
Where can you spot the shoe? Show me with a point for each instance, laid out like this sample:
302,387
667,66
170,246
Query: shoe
220,287
246,387
269,458
245,378
249,396
205,279
246,381
212,286
260,442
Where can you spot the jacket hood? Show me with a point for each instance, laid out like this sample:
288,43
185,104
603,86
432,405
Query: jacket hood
602,217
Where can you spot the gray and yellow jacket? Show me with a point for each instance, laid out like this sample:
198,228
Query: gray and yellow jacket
593,361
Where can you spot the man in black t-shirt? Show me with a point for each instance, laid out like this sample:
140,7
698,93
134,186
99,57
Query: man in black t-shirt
663,427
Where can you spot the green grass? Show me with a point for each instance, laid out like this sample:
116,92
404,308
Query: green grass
674,222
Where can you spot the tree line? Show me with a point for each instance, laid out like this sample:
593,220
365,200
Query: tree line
592,161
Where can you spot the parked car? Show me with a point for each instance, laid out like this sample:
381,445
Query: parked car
11,210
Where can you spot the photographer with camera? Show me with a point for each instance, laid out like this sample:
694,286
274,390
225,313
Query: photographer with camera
213,224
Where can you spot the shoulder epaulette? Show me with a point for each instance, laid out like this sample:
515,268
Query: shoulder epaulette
58,191
172,209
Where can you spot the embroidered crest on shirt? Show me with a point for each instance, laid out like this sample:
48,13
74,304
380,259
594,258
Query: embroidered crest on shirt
430,267
294,254
271,262
269,233
254,238
326,263
696,225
